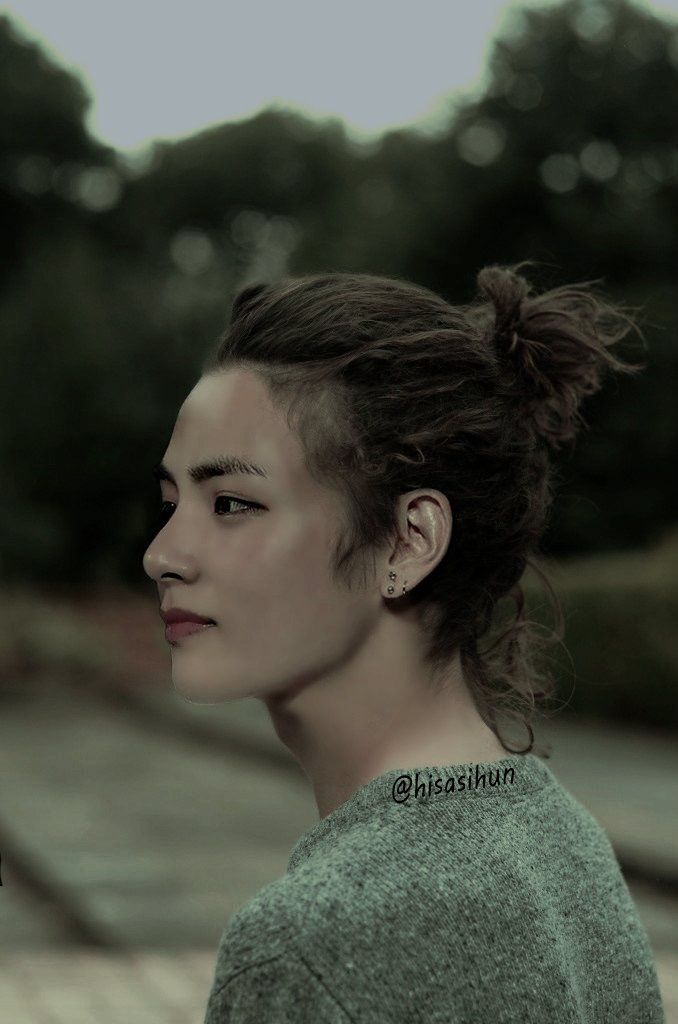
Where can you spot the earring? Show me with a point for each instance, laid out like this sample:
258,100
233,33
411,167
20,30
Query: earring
392,575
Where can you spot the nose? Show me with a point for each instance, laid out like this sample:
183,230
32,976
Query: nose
159,559
150,562
162,560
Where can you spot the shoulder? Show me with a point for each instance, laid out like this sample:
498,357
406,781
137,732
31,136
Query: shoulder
283,988
265,967
347,898
286,917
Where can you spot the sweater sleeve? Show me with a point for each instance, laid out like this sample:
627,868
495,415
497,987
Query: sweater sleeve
280,990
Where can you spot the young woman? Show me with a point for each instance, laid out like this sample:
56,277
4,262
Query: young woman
358,477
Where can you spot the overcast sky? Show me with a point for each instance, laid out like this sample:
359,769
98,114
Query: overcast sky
165,70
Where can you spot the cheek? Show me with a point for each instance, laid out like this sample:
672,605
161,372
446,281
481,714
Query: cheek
283,583
283,619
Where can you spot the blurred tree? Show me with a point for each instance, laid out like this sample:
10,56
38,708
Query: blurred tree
569,155
51,170
114,281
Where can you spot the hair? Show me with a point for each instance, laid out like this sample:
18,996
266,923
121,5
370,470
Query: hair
390,388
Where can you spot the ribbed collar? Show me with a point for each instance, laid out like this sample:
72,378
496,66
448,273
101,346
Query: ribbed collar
399,786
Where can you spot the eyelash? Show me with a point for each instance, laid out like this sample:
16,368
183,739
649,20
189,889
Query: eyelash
250,507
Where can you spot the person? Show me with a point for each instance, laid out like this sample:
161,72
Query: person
358,479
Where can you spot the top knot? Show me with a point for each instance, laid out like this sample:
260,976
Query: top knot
506,289
556,344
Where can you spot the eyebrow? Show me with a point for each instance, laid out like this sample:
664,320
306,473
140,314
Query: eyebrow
222,465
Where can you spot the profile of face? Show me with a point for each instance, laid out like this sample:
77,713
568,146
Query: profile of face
251,552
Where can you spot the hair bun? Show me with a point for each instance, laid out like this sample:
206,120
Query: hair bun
506,290
556,345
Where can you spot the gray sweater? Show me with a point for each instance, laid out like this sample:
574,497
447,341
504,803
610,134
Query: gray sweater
470,894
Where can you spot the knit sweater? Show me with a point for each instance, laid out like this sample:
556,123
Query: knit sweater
466,894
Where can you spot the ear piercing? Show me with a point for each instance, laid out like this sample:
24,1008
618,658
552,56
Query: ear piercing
392,575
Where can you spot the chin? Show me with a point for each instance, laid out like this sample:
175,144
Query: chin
198,691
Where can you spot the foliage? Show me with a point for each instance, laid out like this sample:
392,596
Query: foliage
115,281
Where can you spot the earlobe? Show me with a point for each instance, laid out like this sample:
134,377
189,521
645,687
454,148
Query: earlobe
392,576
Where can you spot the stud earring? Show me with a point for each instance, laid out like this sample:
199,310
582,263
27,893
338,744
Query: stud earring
392,575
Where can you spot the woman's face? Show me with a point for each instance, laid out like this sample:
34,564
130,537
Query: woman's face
262,575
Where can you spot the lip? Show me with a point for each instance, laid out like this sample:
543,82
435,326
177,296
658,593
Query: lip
179,630
173,615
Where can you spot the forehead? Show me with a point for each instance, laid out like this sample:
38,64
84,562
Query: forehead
217,397
231,411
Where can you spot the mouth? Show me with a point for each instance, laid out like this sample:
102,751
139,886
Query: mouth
179,630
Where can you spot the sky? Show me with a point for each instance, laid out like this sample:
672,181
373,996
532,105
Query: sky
158,70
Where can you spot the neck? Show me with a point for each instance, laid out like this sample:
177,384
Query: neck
344,733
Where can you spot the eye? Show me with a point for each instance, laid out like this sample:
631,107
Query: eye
247,506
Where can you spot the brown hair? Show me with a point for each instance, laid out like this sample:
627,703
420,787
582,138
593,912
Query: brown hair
390,388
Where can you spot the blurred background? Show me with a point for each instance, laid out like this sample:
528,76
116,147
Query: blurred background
152,162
